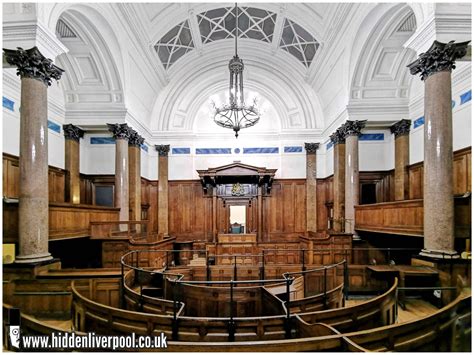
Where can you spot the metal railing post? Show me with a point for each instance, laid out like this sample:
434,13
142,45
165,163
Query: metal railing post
122,288
287,304
175,316
235,267
231,325
208,271
325,287
304,266
346,283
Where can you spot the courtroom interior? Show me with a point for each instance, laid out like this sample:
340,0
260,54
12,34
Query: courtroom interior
239,177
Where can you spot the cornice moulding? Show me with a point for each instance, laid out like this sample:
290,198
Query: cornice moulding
32,33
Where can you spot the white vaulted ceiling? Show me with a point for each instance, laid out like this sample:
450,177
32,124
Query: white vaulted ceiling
157,65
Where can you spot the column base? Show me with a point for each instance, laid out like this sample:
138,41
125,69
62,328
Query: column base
33,259
440,254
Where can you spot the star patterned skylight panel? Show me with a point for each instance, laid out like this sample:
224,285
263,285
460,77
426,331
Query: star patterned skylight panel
253,23
174,44
298,42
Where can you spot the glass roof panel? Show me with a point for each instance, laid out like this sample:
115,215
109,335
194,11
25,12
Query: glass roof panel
298,42
174,44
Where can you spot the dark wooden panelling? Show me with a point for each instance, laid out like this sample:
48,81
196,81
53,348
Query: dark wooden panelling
462,171
285,210
400,217
189,211
65,220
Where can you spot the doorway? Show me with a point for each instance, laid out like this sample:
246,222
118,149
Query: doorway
237,216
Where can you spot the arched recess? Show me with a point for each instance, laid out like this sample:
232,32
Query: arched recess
195,78
93,78
378,71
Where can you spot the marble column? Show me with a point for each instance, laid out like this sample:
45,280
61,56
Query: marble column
72,136
401,130
135,179
260,214
339,143
36,73
121,134
163,151
214,214
435,67
311,192
351,131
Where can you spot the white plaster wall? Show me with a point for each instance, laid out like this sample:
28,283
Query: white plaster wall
329,160
11,132
11,119
462,126
56,148
97,158
376,155
149,164
462,135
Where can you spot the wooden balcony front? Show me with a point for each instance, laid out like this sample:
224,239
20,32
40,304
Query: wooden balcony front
398,217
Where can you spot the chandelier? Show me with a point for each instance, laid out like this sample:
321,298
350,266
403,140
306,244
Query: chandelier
236,114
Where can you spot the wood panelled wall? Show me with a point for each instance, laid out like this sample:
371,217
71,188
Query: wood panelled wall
190,215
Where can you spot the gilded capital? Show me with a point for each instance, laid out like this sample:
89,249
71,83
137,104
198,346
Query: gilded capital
31,63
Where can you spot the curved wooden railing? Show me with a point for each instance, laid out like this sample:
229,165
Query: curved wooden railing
431,333
381,310
137,301
92,316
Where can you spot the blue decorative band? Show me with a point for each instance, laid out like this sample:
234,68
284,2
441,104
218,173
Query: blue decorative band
372,137
419,122
54,126
8,104
466,97
144,147
102,140
329,145
295,149
213,151
181,150
269,150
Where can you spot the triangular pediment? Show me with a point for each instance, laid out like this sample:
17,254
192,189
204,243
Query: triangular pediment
237,169
237,172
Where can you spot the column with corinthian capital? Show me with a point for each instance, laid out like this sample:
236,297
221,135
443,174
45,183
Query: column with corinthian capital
163,151
351,131
435,67
135,179
401,130
36,73
339,188
72,136
311,192
121,134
